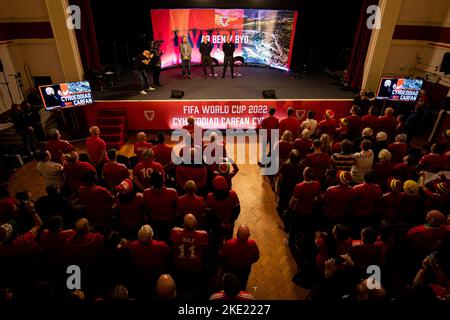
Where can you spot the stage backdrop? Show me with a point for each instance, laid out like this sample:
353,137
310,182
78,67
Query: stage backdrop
261,36
211,114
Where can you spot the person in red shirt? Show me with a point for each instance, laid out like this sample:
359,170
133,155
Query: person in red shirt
96,149
163,152
371,120
328,125
437,194
130,208
425,238
383,168
354,125
8,205
141,144
83,248
270,123
302,203
410,210
365,198
337,198
191,203
97,202
231,290
189,246
368,251
390,202
73,171
304,144
290,123
222,210
114,173
161,205
191,171
319,161
53,238
149,256
334,245
192,127
405,170
388,123
284,146
143,171
238,255
434,161
57,147
398,149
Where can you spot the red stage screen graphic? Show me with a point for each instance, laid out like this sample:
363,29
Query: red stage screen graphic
261,36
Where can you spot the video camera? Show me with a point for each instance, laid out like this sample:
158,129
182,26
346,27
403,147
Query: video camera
156,44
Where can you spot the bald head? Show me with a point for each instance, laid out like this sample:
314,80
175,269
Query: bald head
82,226
243,233
141,136
435,218
94,131
190,222
166,288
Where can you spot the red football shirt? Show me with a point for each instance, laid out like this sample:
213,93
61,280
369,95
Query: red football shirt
114,173
58,148
425,238
74,173
371,121
98,205
328,126
83,250
23,246
354,126
365,197
131,214
162,203
404,171
291,124
53,243
144,169
303,146
139,147
306,193
398,151
383,171
284,149
223,209
150,257
197,173
337,199
390,205
163,153
270,123
388,124
320,162
8,209
237,254
95,147
433,162
191,203
188,249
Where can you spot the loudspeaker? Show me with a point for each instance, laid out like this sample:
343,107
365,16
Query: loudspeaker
177,94
445,65
269,94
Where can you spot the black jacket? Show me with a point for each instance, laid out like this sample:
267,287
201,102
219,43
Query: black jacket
228,49
205,48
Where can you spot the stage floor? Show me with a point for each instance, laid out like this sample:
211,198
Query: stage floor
249,86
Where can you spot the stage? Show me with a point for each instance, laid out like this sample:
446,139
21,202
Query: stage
215,103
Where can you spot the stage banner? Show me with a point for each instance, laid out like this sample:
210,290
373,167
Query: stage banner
261,36
226,114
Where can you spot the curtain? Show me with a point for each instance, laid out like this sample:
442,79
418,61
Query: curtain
355,67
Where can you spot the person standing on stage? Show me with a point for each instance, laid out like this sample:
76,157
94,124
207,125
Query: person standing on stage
228,50
155,62
141,68
186,51
205,50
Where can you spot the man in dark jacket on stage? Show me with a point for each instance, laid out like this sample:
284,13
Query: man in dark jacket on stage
228,50
205,50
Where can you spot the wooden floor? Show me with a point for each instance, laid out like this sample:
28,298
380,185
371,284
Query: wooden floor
271,276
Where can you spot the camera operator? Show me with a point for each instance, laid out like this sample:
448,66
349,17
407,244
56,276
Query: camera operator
141,68
155,49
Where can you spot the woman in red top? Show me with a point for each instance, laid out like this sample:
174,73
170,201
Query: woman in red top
130,208
398,149
284,146
383,168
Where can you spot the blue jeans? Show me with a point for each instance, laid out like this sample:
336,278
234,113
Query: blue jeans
186,67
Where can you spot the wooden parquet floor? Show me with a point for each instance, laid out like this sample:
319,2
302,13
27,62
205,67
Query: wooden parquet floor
271,277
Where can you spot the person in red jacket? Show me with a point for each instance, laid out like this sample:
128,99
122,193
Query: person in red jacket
114,173
398,149
337,198
141,145
368,251
290,123
365,198
149,256
96,149
371,120
388,123
319,161
57,147
354,125
73,171
191,171
161,205
97,202
143,171
434,161
191,203
270,123
328,125
189,247
390,202
238,255
163,152
304,144
231,290
130,208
